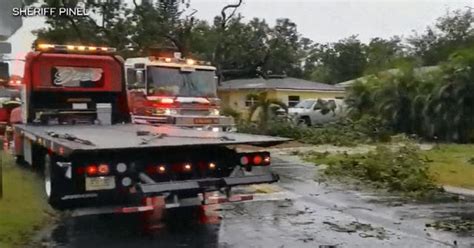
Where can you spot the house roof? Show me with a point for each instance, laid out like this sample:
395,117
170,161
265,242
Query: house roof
288,83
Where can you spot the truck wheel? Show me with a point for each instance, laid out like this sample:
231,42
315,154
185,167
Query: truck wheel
304,122
20,160
52,184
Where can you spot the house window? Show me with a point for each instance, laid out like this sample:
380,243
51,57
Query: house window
293,100
250,100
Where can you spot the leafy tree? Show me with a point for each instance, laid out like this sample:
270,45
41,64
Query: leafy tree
337,62
383,54
450,105
430,103
451,32
163,24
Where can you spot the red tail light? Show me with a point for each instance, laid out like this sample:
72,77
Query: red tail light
187,167
156,169
257,160
91,170
103,169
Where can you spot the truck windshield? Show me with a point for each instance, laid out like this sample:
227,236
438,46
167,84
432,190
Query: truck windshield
305,104
168,81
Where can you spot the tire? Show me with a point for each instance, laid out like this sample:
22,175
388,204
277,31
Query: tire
20,160
38,154
304,122
52,183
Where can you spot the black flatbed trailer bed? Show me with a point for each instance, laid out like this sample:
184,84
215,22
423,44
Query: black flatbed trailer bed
76,138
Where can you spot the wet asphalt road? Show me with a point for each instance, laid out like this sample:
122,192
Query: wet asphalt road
298,212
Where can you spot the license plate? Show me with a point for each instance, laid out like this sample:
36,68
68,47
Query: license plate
206,121
100,183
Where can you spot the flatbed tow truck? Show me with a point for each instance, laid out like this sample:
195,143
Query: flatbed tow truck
76,128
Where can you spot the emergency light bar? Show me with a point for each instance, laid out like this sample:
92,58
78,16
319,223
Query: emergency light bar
74,49
180,61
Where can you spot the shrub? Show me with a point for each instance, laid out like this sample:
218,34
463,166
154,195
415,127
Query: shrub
228,111
400,170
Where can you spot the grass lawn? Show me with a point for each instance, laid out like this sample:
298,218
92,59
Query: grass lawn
22,208
450,164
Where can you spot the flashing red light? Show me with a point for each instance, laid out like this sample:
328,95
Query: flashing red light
103,169
257,159
161,169
91,170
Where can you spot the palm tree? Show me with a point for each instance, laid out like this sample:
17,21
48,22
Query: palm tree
359,97
264,105
395,100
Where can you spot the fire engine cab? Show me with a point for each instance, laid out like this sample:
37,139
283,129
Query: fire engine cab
167,89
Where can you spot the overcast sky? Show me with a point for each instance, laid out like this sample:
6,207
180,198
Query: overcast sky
319,20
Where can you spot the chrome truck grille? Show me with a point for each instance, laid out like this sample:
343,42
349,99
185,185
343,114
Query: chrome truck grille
198,112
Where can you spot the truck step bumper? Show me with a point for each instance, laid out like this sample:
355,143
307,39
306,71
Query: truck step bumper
201,185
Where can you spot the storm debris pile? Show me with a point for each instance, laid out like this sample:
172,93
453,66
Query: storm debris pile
364,230
453,225
399,170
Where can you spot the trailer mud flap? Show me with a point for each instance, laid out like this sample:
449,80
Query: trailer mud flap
200,185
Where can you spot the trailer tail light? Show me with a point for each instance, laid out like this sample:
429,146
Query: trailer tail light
255,159
187,167
156,169
103,169
161,169
266,159
212,166
91,170
244,160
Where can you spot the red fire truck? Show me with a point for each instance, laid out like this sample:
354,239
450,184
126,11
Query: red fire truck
75,126
169,89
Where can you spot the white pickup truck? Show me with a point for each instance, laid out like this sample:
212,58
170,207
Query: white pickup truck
310,112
